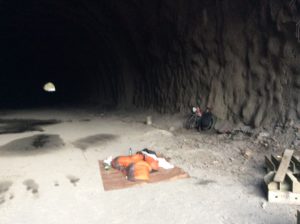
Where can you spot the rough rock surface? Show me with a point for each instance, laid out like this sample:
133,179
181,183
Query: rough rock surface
239,57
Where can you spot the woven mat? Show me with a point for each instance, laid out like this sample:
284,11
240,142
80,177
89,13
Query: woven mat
113,179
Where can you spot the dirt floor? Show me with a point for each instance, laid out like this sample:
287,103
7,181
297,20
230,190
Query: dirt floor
49,171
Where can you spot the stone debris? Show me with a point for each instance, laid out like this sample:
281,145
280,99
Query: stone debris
247,153
74,180
263,205
32,186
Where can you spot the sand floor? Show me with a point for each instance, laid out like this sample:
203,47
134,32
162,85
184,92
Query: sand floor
49,173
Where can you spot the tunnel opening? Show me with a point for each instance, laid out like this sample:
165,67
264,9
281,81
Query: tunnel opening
40,44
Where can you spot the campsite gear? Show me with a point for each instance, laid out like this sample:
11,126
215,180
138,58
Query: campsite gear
206,122
193,120
150,157
146,152
122,162
152,162
162,162
107,163
113,179
138,171
197,111
149,151
202,121
138,166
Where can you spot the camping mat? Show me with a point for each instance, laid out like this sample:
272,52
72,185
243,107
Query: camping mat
113,179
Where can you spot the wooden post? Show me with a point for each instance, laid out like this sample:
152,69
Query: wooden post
284,165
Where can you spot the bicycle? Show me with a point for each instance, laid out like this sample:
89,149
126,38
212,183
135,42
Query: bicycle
193,120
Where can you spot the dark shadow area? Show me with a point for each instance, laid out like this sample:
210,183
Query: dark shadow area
204,182
44,41
31,185
73,179
94,140
9,126
33,145
4,186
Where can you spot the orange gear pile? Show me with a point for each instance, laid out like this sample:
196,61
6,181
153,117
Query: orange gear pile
152,162
138,171
122,162
136,167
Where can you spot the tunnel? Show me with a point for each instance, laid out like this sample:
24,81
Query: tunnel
161,111
240,58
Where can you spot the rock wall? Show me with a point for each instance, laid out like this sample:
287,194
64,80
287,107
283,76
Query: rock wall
239,57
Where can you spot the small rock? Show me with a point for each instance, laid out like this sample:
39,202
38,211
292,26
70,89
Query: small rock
297,142
31,185
247,153
149,120
2,200
263,135
11,196
172,129
223,127
263,205
297,125
73,179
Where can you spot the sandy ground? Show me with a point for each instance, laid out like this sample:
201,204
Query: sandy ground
53,176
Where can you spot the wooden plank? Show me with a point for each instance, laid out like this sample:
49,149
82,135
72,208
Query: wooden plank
284,197
284,165
113,179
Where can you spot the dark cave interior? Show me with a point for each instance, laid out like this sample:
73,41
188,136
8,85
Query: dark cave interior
239,57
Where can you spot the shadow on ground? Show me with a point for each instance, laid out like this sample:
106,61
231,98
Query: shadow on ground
36,144
9,126
94,140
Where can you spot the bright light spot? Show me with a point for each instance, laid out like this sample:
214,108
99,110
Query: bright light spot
49,87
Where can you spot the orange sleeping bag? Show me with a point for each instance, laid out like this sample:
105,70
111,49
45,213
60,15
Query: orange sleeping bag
122,162
136,167
138,171
152,162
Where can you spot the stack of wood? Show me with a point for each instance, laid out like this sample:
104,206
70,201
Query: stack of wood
282,180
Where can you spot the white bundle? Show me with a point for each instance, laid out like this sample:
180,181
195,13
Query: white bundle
162,162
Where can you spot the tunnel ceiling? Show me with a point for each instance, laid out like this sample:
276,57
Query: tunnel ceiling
240,58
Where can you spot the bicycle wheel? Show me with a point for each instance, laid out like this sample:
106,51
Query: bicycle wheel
191,122
207,122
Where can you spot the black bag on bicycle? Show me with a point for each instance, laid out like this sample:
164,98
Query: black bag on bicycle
206,122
